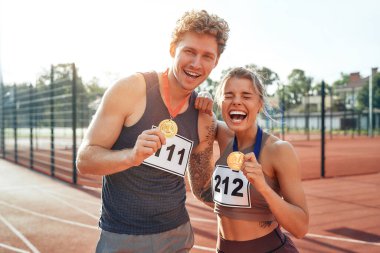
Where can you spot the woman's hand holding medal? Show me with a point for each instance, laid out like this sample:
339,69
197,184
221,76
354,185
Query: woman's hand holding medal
252,169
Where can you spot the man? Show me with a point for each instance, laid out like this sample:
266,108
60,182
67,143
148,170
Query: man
141,139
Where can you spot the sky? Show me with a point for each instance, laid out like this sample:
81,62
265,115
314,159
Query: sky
111,39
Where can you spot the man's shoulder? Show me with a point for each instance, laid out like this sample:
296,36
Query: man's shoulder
130,85
125,90
133,81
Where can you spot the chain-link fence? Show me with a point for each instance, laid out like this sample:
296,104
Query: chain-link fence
42,125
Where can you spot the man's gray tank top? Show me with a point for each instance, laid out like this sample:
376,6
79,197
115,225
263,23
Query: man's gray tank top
142,199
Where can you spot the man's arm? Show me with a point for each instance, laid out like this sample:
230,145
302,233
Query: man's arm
117,109
201,163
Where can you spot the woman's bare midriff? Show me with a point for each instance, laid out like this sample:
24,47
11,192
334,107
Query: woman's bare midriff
243,230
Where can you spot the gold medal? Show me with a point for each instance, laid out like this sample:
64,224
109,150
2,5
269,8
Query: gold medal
168,127
235,160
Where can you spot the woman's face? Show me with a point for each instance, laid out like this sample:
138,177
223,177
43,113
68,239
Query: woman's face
240,104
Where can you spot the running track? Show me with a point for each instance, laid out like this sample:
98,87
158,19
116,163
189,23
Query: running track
42,214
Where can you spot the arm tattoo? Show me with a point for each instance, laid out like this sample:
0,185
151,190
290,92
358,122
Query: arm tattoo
201,168
265,224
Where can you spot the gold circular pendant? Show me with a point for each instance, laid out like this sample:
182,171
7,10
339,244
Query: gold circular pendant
235,160
168,127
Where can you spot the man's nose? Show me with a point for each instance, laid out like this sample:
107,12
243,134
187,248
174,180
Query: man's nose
196,61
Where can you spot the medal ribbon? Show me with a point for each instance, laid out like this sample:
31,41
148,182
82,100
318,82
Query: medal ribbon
165,85
256,147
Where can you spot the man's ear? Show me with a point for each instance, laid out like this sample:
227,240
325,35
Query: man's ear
217,61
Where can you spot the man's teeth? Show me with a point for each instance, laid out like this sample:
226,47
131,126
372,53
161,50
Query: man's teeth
192,74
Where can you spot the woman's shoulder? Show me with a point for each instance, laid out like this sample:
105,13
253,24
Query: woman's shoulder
276,145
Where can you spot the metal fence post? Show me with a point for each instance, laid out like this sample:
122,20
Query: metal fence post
31,155
2,141
323,130
344,114
307,115
74,121
353,126
283,112
15,121
52,148
331,112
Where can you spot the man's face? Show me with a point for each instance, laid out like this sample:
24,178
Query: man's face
195,56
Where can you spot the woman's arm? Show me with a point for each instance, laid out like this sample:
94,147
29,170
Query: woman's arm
291,211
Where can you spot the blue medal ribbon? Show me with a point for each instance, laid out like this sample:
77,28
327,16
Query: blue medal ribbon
256,147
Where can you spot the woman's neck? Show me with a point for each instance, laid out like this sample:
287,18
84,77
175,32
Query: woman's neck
246,138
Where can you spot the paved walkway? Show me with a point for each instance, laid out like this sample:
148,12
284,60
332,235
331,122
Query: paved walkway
41,214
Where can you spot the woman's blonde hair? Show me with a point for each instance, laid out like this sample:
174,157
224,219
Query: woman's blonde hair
243,73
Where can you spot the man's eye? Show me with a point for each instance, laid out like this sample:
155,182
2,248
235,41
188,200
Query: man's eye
209,57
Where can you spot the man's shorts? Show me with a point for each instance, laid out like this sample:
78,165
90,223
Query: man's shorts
180,239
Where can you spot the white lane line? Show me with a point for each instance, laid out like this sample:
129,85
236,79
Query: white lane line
307,235
24,187
194,219
343,239
204,248
19,235
72,206
97,203
49,217
5,246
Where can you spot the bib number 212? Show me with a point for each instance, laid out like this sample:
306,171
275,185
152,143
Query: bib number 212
237,182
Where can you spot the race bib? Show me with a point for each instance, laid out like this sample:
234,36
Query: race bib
230,188
172,157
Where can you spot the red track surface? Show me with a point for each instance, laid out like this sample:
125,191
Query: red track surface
42,214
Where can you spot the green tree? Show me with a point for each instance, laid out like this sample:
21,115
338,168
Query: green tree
299,85
317,89
363,96
285,97
62,77
342,81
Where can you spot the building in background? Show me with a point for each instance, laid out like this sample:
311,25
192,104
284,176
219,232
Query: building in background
349,91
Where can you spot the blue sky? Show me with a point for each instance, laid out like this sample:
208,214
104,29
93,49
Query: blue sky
110,39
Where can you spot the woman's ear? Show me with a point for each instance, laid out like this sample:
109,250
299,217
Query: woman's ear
260,107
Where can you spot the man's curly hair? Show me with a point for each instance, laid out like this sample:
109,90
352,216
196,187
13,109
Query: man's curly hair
203,23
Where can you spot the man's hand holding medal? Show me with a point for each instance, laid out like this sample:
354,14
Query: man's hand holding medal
147,143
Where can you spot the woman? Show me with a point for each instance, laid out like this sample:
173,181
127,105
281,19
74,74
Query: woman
262,193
